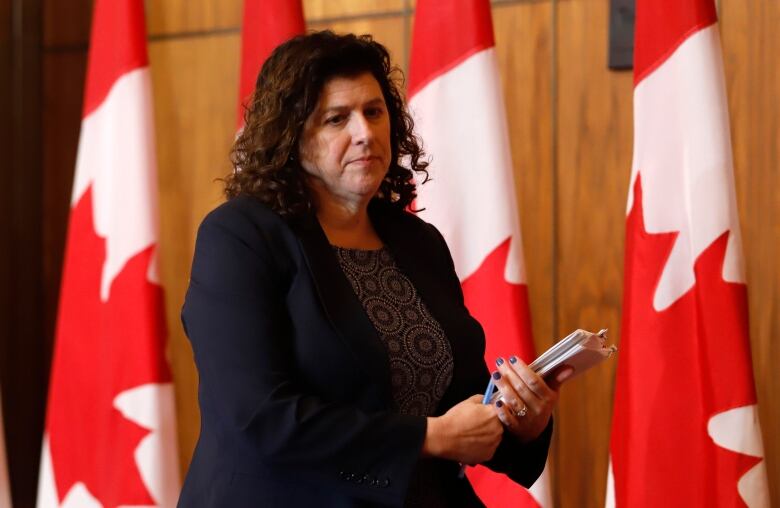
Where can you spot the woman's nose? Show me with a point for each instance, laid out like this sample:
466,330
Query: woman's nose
362,129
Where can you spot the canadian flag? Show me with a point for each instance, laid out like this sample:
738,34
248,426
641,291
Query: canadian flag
110,425
458,108
685,429
266,24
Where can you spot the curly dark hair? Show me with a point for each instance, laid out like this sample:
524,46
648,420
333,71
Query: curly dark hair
265,153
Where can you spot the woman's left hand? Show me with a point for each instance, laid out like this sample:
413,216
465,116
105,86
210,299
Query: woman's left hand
526,401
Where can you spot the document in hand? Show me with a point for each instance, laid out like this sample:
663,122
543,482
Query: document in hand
580,349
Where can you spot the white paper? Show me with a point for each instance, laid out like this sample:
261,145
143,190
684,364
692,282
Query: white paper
580,349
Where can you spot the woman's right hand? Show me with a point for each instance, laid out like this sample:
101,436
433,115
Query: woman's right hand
468,433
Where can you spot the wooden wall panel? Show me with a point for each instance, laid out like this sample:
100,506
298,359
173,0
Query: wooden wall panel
195,85
329,9
73,32
524,50
163,18
593,164
751,50
174,17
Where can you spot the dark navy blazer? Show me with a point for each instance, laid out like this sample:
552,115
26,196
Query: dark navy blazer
295,395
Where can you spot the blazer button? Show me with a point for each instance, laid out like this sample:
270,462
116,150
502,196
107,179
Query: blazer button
386,482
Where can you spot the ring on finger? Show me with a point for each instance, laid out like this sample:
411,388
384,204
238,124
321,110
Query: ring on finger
518,412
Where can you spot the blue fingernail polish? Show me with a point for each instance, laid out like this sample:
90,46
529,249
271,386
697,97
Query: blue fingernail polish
500,361
513,359
499,403
496,375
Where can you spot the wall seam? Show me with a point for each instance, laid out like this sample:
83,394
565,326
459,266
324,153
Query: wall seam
554,164
554,222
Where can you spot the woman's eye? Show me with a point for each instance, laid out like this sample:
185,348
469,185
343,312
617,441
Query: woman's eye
334,120
374,112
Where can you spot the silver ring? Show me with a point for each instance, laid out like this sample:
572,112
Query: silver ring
523,411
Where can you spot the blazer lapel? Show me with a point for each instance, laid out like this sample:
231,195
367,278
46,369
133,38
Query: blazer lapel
408,247
342,306
413,253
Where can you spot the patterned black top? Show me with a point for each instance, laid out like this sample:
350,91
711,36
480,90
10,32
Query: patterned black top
420,356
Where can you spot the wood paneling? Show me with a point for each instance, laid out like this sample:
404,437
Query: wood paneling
593,164
526,76
751,50
195,84
171,17
319,9
66,22
163,18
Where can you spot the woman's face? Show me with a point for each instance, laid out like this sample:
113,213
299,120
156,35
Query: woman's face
345,147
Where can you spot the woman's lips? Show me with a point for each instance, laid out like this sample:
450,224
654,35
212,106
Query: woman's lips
367,158
366,161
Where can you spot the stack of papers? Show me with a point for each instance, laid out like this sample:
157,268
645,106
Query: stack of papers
580,349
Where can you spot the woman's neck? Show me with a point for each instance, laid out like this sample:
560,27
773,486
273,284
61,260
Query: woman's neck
348,225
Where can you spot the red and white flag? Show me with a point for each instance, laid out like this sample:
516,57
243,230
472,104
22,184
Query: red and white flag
110,424
457,103
267,23
5,486
685,429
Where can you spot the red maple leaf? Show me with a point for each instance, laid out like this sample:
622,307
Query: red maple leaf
101,350
501,307
677,369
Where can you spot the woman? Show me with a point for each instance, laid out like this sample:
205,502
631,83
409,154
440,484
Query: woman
338,365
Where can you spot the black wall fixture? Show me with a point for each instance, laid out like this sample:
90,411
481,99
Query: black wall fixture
621,34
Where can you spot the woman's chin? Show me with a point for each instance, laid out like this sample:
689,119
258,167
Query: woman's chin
367,193
366,187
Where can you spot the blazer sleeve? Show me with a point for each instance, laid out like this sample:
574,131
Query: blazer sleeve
522,462
235,317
